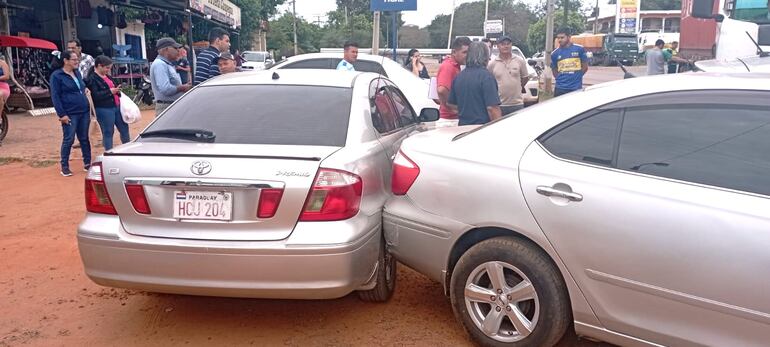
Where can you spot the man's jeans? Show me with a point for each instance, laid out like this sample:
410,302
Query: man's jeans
560,92
160,107
506,110
78,127
109,118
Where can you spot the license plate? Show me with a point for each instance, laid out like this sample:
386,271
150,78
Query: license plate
203,205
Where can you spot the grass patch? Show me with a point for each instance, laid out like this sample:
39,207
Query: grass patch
10,160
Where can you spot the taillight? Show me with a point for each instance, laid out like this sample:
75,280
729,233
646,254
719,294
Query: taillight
97,198
336,195
138,198
269,199
405,172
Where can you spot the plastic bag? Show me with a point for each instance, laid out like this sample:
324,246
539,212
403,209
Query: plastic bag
129,110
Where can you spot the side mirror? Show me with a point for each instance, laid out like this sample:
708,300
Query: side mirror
703,9
532,62
719,18
429,114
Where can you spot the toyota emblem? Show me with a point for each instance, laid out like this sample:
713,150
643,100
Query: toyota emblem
201,167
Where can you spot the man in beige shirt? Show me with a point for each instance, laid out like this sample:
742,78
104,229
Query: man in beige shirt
511,74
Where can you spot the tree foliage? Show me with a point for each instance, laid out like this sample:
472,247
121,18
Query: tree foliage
661,5
536,36
253,12
411,36
280,38
469,19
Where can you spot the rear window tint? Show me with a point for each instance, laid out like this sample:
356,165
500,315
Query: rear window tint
262,114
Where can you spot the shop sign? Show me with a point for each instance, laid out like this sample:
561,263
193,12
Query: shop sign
222,11
627,16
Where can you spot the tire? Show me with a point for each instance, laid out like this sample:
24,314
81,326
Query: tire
3,124
545,305
385,277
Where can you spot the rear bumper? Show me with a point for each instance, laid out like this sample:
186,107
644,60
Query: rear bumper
260,269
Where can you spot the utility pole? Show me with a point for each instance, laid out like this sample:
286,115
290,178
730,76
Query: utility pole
565,24
451,23
486,10
376,33
294,20
548,74
596,18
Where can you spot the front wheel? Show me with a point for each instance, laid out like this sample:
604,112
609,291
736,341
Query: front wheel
506,292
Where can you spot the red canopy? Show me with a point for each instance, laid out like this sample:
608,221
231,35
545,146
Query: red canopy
18,41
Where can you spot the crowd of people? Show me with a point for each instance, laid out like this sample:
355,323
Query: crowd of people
488,88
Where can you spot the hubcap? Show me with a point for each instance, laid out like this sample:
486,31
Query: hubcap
502,301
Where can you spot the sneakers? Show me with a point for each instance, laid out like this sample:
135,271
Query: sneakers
86,167
66,172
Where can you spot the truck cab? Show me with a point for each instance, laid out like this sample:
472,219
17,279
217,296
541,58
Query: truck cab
740,28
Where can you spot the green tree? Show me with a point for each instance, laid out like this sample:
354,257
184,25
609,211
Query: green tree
253,12
281,35
536,36
469,19
661,5
411,36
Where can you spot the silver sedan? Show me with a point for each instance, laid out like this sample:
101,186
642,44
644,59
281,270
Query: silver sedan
267,184
635,211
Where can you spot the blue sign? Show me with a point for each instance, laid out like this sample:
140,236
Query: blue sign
393,5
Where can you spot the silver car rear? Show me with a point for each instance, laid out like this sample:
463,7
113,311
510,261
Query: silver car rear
254,185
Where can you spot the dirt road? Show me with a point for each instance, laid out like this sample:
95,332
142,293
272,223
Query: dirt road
47,300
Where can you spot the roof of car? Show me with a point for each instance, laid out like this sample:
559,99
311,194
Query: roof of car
685,81
309,77
361,56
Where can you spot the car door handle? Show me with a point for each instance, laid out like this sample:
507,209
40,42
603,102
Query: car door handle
550,191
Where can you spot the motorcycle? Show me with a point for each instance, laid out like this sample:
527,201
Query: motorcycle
144,93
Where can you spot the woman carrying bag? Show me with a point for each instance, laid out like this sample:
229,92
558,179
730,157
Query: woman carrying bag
106,97
69,96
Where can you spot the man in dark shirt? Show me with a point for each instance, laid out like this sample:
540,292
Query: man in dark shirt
183,65
206,66
474,92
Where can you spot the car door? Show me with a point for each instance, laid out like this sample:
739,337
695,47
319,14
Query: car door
659,208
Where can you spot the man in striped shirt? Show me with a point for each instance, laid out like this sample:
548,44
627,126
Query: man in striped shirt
206,65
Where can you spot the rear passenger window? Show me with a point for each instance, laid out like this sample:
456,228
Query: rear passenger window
590,140
721,145
310,64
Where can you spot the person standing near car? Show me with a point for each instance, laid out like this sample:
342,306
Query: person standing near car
183,66
69,97
511,74
206,65
166,84
474,92
106,97
349,57
226,63
569,64
447,72
415,65
86,61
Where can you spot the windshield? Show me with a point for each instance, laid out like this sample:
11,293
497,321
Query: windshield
254,56
256,114
755,11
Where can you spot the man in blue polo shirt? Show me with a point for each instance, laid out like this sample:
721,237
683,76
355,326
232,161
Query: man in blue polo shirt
569,63
474,95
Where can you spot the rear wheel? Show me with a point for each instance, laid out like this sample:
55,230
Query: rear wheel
385,277
506,292
3,124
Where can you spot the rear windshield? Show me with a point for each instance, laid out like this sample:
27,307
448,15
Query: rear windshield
262,114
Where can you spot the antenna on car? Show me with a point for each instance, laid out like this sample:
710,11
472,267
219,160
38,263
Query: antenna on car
762,54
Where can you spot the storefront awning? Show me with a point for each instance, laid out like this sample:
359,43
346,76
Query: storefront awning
27,42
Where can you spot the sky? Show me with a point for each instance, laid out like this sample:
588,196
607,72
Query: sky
426,10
